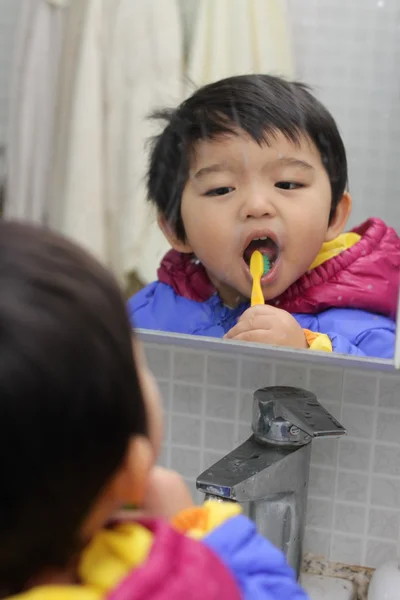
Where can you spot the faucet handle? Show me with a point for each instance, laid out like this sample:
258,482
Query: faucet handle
288,415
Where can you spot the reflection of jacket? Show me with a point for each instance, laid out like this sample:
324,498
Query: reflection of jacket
349,293
153,561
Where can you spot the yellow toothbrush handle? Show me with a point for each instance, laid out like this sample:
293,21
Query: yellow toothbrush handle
257,296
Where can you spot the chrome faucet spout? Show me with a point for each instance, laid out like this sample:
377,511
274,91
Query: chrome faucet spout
268,474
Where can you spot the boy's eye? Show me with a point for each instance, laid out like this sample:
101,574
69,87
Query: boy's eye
220,191
288,185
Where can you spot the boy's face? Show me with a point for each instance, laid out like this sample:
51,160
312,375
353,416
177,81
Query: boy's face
238,191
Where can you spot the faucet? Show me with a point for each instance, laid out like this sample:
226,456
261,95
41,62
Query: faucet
268,474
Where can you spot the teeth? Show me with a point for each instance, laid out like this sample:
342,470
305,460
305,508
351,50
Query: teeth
260,238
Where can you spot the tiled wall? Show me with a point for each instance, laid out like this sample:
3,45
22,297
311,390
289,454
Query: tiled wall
354,494
349,51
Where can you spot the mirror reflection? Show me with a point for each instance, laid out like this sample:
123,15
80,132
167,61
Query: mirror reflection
250,182
259,201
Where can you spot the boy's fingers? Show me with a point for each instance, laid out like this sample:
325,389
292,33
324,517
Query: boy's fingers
167,494
257,336
257,322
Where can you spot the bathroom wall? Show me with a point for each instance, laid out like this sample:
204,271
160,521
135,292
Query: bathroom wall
354,493
349,52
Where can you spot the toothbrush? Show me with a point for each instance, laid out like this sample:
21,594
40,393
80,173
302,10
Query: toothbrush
259,266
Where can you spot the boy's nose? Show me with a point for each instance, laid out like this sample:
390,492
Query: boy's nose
257,206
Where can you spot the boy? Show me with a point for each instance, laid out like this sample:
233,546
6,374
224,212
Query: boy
254,162
81,429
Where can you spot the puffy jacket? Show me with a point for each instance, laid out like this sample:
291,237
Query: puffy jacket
350,294
152,560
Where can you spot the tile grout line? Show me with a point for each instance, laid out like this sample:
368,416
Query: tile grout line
370,472
203,412
171,405
335,489
237,399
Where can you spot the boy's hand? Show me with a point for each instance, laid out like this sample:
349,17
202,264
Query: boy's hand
268,325
167,495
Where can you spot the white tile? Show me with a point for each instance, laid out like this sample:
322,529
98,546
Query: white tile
322,482
379,552
186,430
352,487
350,518
255,374
387,429
358,421
385,492
387,460
327,384
354,454
346,549
245,407
187,399
164,388
389,392
384,523
287,374
186,462
167,428
159,360
324,452
359,388
219,435
244,432
221,403
319,513
222,370
317,542
189,366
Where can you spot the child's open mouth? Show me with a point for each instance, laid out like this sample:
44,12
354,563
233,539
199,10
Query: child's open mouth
266,246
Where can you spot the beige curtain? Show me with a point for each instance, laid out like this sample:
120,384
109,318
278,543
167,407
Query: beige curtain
233,37
121,59
33,93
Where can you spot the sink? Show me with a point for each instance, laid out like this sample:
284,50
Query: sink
319,587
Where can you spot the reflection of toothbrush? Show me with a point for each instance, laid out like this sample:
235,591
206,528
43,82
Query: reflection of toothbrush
259,266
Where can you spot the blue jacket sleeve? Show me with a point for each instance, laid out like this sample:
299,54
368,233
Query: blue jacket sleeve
377,343
158,307
261,571
358,332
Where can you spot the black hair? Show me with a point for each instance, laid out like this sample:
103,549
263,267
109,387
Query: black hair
260,105
70,397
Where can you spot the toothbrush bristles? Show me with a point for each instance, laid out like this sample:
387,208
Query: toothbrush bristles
267,264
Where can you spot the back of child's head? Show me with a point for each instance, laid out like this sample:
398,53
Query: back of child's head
261,106
70,398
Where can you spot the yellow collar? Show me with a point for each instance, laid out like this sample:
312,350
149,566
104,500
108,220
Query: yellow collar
337,246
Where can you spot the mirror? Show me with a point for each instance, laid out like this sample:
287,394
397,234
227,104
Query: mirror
257,162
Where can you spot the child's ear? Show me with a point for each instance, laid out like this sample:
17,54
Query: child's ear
340,218
176,243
